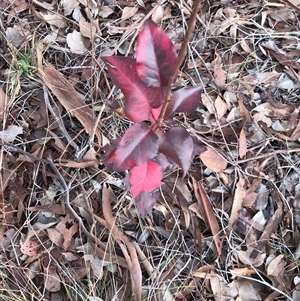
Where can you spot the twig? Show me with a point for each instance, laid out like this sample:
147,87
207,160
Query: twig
280,151
180,59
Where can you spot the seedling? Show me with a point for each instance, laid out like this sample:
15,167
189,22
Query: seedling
150,145
24,64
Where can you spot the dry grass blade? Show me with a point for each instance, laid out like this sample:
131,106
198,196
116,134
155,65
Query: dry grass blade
130,255
69,98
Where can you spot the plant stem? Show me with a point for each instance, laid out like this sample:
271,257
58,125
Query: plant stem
180,59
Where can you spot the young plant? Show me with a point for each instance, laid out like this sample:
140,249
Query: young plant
150,145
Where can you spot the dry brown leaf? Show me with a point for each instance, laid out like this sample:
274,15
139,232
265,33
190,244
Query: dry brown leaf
29,247
68,97
52,19
158,14
128,12
85,164
105,11
275,110
10,134
284,60
239,196
58,142
242,144
3,101
247,290
261,78
208,214
213,160
67,231
251,195
204,272
16,7
234,64
262,117
14,36
221,107
55,236
248,50
131,257
229,12
69,256
276,266
219,73
223,291
237,272
244,111
43,4
52,207
87,29
296,132
69,6
52,279
96,264
75,42
270,228
208,102
245,256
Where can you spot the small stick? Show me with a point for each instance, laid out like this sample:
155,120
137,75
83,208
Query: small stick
180,59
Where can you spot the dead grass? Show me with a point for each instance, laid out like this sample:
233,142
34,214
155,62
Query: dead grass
245,56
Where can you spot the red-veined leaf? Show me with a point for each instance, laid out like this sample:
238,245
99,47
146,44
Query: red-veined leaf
145,202
145,177
184,100
138,145
155,54
178,145
139,98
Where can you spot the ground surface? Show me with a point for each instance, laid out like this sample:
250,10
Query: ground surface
229,230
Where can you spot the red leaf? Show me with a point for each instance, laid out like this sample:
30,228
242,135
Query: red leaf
138,145
198,147
139,98
155,54
184,100
178,145
154,114
145,177
145,202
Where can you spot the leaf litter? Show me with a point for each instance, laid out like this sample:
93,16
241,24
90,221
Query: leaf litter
228,230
